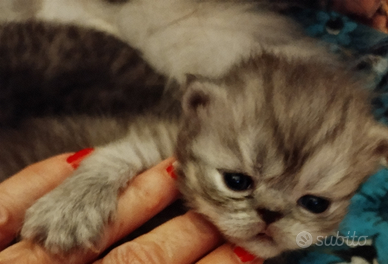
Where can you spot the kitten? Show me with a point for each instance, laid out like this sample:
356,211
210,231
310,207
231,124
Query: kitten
15,10
181,36
113,68
271,142
96,14
56,70
275,147
52,70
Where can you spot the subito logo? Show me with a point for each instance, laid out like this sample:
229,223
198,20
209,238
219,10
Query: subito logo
304,239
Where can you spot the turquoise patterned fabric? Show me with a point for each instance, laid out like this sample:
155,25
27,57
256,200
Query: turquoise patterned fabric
364,231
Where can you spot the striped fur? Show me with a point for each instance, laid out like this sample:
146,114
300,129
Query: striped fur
296,126
53,70
178,37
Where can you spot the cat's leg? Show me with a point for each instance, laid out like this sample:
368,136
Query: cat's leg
74,214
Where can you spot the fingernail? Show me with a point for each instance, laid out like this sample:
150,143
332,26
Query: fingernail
75,159
243,255
170,170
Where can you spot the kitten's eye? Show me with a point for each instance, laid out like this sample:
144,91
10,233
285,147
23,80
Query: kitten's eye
237,181
314,204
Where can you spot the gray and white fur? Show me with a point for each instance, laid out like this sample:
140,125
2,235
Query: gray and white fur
178,37
263,110
290,138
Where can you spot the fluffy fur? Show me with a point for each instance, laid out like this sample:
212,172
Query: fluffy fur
57,70
52,70
182,36
292,138
14,10
294,124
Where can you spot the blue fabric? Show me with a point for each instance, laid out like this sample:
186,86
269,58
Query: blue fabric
367,49
320,258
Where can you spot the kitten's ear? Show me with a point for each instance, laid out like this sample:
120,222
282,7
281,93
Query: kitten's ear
379,135
190,78
198,96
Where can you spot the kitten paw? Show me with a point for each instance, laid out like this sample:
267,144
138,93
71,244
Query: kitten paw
66,220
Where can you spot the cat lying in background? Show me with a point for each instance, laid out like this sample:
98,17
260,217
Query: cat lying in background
270,140
183,36
176,37
52,70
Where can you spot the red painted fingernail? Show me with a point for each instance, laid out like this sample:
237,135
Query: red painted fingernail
170,170
77,157
243,255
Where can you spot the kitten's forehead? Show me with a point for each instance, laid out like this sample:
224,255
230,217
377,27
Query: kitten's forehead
296,128
280,116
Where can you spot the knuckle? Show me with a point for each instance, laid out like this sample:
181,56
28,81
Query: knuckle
151,199
6,216
137,253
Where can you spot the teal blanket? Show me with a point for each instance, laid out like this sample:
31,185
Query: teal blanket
363,235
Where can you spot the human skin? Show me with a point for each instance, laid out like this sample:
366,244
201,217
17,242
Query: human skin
365,8
184,239
371,12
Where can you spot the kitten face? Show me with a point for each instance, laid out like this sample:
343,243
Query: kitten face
279,157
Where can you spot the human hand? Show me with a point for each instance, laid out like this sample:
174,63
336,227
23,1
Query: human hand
364,8
372,12
184,239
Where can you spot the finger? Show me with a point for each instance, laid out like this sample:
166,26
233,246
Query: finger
18,192
183,239
147,195
364,8
27,252
380,22
226,254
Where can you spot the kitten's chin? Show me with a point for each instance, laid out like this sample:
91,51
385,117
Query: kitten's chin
262,246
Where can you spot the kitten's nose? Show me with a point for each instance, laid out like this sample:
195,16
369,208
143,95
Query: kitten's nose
269,216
